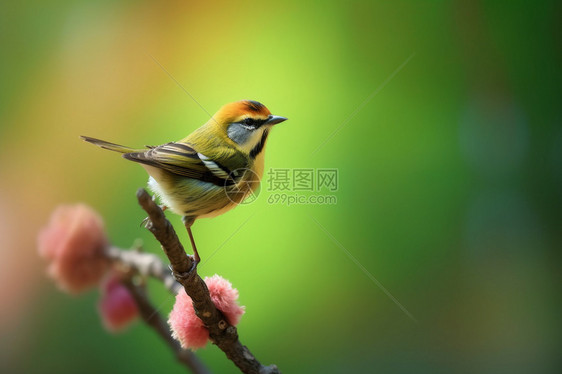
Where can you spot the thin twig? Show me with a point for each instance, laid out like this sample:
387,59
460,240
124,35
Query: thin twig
152,318
144,264
224,335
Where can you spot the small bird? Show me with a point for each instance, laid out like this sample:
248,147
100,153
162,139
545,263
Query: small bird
211,170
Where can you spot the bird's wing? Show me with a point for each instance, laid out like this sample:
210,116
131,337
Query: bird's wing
182,159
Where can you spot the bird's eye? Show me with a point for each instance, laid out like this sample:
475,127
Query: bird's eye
249,124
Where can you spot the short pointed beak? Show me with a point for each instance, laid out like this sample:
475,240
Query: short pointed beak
272,120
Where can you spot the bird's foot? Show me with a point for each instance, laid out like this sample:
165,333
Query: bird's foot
184,276
195,259
145,222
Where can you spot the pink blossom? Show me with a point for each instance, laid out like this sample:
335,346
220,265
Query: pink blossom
225,298
74,242
188,328
116,306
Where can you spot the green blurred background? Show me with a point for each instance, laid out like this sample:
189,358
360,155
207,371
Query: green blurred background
442,118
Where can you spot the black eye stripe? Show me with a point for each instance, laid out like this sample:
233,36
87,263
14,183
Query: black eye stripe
252,123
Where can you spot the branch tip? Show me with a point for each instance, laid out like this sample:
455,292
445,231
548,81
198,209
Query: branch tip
142,195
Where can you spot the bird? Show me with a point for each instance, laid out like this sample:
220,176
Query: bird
210,171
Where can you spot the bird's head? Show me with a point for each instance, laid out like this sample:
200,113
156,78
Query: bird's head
246,123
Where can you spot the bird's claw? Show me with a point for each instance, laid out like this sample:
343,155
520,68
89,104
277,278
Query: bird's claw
183,276
195,260
145,222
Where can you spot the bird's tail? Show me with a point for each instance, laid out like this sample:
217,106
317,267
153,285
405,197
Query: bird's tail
108,145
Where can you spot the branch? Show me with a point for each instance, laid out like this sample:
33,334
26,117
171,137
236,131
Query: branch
152,318
144,264
224,335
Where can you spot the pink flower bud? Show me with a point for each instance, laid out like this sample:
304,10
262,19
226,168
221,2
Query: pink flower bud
117,307
74,242
188,328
